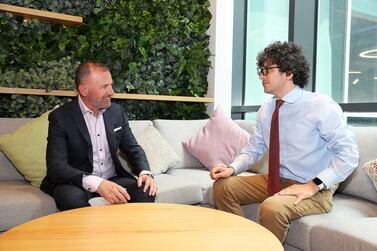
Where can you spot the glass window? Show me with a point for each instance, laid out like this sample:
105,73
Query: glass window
267,21
251,116
347,50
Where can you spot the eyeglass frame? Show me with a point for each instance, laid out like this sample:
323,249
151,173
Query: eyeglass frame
264,70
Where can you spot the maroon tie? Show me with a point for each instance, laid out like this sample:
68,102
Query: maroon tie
274,155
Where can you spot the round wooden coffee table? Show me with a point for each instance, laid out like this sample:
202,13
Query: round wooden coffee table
140,226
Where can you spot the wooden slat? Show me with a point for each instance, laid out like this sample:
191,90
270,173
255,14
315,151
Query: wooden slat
28,13
8,90
163,98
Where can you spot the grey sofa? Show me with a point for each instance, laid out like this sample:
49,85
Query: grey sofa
351,225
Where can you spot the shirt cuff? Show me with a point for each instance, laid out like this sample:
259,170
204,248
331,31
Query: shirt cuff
234,169
240,164
91,182
145,172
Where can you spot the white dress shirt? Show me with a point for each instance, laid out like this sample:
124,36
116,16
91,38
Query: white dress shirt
103,165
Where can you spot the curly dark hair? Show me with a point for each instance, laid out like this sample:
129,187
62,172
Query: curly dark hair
289,57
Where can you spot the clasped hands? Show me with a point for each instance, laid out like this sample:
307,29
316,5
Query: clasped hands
221,171
116,194
301,191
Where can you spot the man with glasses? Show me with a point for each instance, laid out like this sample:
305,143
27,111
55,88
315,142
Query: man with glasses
310,148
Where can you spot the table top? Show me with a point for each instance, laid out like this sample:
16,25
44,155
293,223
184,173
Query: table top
140,226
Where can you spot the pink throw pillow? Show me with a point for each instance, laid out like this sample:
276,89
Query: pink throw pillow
219,141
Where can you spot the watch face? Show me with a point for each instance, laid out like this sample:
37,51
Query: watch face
317,181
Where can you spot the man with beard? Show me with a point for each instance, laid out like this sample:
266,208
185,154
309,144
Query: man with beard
83,139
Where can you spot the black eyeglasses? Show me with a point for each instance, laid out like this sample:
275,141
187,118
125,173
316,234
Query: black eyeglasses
264,70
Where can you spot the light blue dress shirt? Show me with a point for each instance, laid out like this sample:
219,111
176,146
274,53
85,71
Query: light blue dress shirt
314,139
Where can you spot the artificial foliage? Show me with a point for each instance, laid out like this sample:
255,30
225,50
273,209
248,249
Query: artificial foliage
150,46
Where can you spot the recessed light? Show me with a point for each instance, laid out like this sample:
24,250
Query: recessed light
355,81
365,54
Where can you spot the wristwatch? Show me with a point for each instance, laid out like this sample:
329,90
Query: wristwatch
319,183
146,172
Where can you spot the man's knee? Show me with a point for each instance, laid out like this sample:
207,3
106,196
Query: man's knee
140,196
223,186
218,187
72,204
272,209
146,198
70,197
275,217
136,193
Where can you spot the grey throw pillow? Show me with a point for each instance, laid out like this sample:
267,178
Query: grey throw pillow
159,153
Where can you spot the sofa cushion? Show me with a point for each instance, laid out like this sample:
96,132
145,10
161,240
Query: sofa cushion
139,125
218,142
344,207
199,176
180,190
8,125
7,170
177,131
21,202
358,183
26,148
202,178
160,155
346,234
371,170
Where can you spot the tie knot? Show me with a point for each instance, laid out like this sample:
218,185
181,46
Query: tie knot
279,102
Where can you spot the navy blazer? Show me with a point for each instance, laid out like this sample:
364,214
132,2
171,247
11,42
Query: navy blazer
69,152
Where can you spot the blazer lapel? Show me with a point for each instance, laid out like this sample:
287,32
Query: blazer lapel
109,130
80,123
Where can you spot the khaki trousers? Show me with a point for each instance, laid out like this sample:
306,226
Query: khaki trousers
275,212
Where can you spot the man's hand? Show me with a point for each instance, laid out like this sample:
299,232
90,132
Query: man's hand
301,191
148,183
112,192
220,171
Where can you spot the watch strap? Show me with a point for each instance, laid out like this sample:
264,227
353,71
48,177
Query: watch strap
318,183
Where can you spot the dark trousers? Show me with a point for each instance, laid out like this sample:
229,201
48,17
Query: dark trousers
69,196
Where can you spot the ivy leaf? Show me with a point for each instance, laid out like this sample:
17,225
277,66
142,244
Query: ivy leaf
97,10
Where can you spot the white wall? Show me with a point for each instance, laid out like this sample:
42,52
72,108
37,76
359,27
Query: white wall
221,47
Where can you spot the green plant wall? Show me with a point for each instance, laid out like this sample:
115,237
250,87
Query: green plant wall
151,47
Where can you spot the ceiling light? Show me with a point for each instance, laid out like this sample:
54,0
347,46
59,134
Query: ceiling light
354,72
355,81
365,54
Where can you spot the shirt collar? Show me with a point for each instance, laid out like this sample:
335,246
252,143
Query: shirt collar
84,109
293,95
